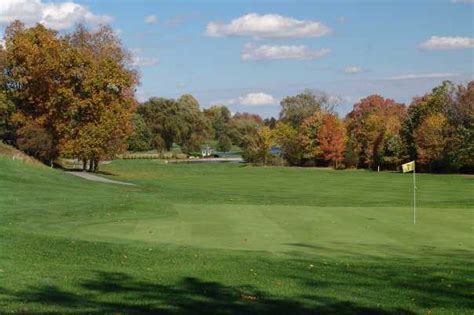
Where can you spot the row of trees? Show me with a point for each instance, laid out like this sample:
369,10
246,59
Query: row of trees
435,129
66,94
160,122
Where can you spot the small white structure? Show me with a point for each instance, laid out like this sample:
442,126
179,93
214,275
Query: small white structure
207,151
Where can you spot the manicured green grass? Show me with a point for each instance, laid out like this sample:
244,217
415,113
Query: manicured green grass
229,238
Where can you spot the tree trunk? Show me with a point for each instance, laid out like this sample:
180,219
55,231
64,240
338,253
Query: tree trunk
92,166
84,165
96,165
89,165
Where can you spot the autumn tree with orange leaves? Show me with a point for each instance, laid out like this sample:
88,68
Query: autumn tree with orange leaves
76,91
332,139
432,138
373,128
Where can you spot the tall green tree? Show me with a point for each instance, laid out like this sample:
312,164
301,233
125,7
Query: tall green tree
196,129
141,138
295,109
162,117
220,118
244,127
176,121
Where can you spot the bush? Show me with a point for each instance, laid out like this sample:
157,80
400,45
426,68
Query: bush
167,155
180,156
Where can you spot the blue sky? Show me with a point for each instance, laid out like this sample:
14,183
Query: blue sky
250,54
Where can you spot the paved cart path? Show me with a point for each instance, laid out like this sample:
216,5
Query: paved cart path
96,178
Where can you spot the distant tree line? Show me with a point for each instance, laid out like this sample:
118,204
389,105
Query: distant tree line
436,130
72,95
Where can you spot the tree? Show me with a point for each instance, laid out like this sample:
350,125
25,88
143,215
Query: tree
270,122
6,111
222,131
309,131
295,109
36,141
37,77
224,143
421,107
287,138
141,139
332,139
162,118
6,105
431,139
373,123
219,117
101,118
176,121
244,127
455,105
77,89
257,149
461,118
196,129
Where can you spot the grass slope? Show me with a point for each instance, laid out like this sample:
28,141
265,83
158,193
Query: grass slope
8,151
226,238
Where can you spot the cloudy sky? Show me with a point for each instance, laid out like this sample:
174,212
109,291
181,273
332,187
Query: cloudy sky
250,54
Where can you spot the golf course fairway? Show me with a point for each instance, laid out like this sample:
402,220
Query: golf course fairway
229,238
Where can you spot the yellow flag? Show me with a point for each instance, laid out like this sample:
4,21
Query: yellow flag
408,167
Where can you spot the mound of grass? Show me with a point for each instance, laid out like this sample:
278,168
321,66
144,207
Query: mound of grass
7,151
227,238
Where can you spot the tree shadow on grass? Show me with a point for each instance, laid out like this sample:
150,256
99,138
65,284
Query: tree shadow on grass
435,278
119,293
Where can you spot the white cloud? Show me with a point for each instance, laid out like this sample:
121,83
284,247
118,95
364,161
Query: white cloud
268,52
445,42
151,19
353,70
268,26
138,60
257,98
422,76
59,16
462,1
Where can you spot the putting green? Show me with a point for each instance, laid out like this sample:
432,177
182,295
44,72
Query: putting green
320,230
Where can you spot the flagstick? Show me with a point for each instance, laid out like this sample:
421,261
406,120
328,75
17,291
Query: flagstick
414,196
